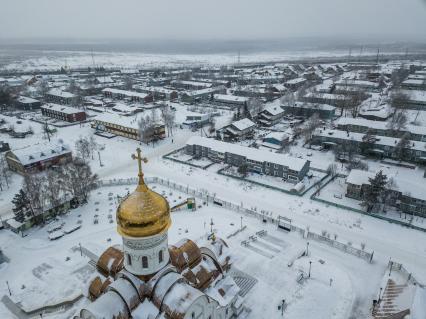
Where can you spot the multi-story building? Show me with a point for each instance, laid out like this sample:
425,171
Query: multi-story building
63,113
380,146
37,158
60,97
405,193
259,161
238,130
270,115
230,100
127,126
306,109
359,125
130,95
159,93
27,103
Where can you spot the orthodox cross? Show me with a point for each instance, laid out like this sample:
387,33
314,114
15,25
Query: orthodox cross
140,159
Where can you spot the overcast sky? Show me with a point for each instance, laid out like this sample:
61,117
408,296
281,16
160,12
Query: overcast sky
220,19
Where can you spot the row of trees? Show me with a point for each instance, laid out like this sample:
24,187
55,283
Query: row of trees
49,189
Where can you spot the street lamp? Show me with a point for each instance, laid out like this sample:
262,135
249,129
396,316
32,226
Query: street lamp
307,248
241,222
380,294
310,265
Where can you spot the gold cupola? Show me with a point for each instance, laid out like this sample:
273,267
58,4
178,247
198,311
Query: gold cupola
144,212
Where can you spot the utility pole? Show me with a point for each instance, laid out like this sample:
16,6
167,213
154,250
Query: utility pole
282,307
241,222
8,288
307,248
310,265
100,161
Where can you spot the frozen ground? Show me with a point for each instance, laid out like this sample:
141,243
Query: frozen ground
53,60
355,282
40,281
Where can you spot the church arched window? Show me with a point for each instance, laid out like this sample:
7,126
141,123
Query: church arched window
144,262
160,256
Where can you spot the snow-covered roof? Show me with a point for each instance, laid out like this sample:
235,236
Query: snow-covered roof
62,94
273,109
104,79
254,154
296,81
205,91
61,108
279,136
230,98
243,124
126,93
380,140
380,125
26,100
154,89
411,184
40,152
193,83
314,106
121,120
415,95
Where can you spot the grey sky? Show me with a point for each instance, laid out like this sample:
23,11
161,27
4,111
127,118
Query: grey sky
222,19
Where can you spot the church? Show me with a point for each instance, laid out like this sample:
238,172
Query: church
146,278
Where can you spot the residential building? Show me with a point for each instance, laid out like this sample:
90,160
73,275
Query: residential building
159,93
381,146
60,97
196,120
132,96
259,161
126,126
27,103
271,115
203,94
276,140
407,193
230,100
306,109
36,158
63,113
238,130
360,125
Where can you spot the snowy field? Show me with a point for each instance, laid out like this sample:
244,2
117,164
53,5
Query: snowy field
39,282
53,60
355,282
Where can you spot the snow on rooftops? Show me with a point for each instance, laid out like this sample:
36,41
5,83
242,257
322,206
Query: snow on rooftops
273,109
61,108
104,79
230,98
243,124
415,95
296,81
254,154
121,120
380,140
224,291
279,136
26,100
126,93
181,297
38,152
360,83
59,93
205,91
411,183
380,125
317,106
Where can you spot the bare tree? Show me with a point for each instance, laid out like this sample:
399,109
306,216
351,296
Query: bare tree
43,87
311,125
398,100
33,188
169,119
4,173
255,106
128,82
402,147
398,121
82,146
78,179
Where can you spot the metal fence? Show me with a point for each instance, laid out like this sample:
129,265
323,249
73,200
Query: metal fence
212,198
343,247
394,266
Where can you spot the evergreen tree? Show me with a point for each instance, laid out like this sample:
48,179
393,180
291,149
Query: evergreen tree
367,143
21,204
401,148
375,192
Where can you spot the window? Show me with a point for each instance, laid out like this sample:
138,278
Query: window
144,262
160,256
129,260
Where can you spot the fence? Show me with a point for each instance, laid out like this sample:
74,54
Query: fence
371,214
343,247
400,268
211,198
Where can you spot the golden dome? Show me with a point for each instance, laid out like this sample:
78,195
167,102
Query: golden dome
144,212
